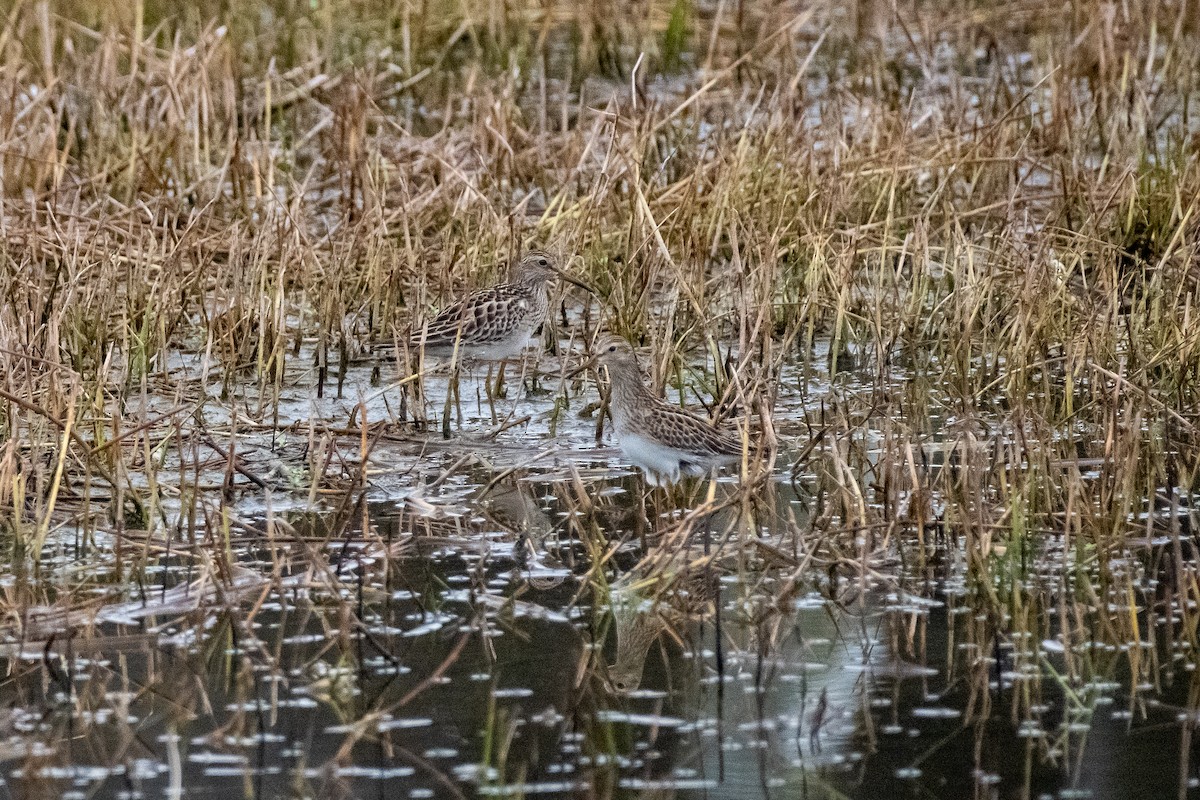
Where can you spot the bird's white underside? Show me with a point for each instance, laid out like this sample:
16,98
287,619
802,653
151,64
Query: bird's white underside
660,462
505,348
492,351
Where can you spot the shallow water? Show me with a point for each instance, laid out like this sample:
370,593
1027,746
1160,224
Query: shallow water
446,641
278,713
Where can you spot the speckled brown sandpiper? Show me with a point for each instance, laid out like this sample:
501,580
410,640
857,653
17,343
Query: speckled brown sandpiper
498,322
662,439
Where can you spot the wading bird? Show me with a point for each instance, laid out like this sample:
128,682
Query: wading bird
498,322
665,441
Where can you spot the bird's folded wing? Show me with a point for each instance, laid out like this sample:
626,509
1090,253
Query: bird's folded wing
478,319
682,431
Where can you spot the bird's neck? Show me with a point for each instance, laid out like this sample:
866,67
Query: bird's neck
629,393
530,281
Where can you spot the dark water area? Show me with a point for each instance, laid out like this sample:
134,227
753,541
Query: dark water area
457,658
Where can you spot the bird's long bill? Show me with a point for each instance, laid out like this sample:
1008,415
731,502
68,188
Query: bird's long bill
582,368
581,284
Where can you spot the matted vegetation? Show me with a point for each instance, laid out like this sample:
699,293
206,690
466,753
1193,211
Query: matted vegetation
940,258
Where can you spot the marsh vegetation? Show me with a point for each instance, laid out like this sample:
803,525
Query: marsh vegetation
938,261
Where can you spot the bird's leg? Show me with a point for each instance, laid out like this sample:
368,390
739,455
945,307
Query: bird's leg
457,402
532,387
676,490
451,396
710,496
499,391
643,516
491,394
407,390
647,492
417,387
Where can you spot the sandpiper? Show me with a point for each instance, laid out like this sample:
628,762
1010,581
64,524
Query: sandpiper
498,322
662,439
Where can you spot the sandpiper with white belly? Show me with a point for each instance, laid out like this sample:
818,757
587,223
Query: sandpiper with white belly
498,322
663,440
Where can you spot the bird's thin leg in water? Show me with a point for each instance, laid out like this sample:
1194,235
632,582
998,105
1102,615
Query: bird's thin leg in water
710,494
491,395
532,374
529,369
451,400
644,522
499,391
458,415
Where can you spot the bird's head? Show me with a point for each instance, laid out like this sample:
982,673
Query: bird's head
613,351
537,266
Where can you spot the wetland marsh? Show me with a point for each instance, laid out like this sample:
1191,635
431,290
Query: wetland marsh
937,262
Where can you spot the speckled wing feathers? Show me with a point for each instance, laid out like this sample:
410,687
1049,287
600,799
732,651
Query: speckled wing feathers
679,430
488,316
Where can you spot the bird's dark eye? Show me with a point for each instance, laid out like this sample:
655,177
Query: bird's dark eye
612,348
543,262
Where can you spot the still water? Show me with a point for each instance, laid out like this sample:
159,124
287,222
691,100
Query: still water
467,648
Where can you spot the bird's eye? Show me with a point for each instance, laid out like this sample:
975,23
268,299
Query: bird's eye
543,262
612,348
